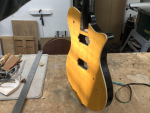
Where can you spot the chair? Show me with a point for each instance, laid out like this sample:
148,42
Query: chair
145,43
140,33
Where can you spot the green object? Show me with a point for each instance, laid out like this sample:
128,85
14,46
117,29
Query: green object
141,0
128,86
143,25
20,55
123,85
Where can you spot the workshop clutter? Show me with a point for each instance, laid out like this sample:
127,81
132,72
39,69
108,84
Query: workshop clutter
9,65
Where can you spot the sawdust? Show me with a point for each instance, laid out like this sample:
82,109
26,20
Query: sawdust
139,78
60,98
142,56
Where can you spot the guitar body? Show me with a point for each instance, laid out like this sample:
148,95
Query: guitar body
86,64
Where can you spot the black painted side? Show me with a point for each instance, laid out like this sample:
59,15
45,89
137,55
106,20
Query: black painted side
8,7
103,58
85,14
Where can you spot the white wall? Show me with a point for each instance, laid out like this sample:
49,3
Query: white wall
55,22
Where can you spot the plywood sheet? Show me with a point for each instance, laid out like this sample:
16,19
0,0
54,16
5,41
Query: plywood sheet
18,43
45,40
117,18
110,16
30,47
8,44
26,28
24,45
19,50
102,9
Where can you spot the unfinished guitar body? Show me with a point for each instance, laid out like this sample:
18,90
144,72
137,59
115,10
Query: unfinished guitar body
86,65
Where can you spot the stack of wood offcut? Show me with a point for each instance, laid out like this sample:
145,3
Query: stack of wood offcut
9,64
8,61
24,39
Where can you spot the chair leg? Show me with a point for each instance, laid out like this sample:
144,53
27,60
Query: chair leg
145,48
126,42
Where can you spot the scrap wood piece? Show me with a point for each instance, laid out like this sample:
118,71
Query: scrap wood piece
24,44
7,44
4,59
9,87
10,62
41,64
23,81
20,55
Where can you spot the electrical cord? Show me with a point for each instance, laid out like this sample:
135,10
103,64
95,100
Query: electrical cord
128,86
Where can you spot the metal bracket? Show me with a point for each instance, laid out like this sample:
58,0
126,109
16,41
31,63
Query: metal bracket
24,92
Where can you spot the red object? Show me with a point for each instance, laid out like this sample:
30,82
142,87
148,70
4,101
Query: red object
57,46
16,64
23,81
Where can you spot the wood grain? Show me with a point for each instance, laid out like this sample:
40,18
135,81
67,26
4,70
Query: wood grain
60,98
19,47
24,44
88,85
45,40
8,44
23,38
110,16
26,28
30,47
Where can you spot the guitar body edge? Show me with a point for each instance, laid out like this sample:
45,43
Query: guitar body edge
103,62
106,72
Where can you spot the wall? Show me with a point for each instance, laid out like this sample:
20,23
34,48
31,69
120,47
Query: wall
55,22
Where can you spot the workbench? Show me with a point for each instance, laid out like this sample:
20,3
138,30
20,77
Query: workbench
58,96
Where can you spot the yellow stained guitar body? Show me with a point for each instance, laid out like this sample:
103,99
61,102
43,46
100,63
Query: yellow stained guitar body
88,84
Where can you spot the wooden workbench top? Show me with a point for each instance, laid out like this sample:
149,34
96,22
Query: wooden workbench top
58,96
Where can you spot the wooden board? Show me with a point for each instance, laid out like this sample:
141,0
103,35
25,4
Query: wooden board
24,44
8,44
19,47
110,16
30,47
45,40
12,60
23,38
7,91
58,96
26,28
